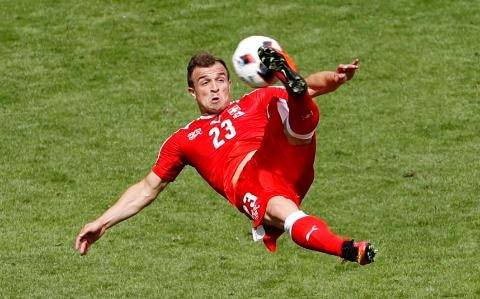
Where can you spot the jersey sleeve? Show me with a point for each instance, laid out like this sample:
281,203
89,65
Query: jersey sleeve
170,161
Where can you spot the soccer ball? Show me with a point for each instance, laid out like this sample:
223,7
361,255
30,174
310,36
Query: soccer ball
246,62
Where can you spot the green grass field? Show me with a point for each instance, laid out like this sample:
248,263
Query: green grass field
90,89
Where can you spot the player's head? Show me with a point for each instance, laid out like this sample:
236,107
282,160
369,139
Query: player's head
209,82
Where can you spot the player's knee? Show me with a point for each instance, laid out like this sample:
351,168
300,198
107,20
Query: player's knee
297,141
278,209
291,219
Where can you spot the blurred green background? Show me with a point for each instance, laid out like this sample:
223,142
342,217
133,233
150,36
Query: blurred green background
89,90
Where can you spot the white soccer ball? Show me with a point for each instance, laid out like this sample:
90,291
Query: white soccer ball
246,62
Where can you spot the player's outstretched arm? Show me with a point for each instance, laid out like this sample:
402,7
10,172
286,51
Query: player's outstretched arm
327,81
133,200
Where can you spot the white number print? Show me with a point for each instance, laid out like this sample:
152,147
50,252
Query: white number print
217,142
250,205
227,126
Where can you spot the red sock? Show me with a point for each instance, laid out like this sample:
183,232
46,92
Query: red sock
303,115
312,233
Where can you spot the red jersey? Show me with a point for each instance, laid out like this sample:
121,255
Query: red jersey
216,144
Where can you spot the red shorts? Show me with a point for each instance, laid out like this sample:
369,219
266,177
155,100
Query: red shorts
278,168
256,187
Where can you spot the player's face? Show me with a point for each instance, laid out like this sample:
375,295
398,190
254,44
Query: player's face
211,88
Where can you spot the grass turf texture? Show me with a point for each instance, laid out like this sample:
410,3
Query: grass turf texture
89,90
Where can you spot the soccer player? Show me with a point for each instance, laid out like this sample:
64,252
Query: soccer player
257,152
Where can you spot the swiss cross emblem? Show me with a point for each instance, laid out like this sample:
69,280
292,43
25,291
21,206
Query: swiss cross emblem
235,111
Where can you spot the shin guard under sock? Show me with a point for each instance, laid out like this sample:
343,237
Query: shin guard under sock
313,233
303,116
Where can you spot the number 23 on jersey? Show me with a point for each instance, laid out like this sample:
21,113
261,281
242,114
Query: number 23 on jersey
226,131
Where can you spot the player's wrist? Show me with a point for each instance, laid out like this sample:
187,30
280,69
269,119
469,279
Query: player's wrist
102,223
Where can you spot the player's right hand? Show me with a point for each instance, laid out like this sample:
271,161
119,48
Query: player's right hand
90,233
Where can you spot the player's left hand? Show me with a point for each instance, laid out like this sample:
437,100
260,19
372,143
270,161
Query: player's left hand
345,72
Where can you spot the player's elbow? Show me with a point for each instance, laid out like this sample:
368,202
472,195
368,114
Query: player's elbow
148,194
151,188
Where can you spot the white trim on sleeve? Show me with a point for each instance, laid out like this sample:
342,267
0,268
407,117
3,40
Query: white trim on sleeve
282,108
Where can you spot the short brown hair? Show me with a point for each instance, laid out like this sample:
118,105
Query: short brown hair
203,59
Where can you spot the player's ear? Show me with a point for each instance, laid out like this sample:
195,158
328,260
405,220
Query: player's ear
191,91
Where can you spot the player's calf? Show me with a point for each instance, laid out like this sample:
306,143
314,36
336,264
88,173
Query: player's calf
313,233
303,118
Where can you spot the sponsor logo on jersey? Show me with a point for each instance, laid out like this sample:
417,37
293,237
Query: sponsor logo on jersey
235,111
192,135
